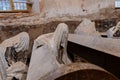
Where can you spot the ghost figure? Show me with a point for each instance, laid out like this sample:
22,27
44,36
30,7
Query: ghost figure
3,65
49,52
56,42
9,49
20,42
86,27
113,30
16,44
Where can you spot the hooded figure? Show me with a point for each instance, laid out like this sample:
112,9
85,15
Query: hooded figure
49,52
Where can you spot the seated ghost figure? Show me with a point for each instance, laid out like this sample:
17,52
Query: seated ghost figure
54,41
49,52
9,49
20,42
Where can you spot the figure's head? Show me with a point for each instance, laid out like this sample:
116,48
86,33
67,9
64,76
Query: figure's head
23,43
60,38
61,35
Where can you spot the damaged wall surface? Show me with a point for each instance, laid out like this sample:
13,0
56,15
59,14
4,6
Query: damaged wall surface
67,10
73,8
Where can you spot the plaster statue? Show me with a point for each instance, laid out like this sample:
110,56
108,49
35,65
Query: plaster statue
10,48
17,70
49,52
20,42
87,27
3,65
54,41
113,30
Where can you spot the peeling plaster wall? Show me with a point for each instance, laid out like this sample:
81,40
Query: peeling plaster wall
55,8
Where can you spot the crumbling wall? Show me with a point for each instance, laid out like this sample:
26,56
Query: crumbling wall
6,16
59,8
65,10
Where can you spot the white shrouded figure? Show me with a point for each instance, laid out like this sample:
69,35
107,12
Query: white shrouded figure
54,40
86,27
49,52
3,65
20,43
113,30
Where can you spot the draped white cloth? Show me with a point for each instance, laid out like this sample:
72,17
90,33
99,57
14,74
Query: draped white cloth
20,42
46,48
113,30
3,64
87,27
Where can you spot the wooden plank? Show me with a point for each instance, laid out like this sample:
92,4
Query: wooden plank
107,45
79,71
15,11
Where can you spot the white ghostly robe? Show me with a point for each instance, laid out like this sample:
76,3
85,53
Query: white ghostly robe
20,42
87,27
113,30
45,50
3,64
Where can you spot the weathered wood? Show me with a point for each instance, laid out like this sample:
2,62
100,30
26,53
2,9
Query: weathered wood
79,71
107,45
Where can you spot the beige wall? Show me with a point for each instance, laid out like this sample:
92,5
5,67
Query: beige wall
53,8
35,6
